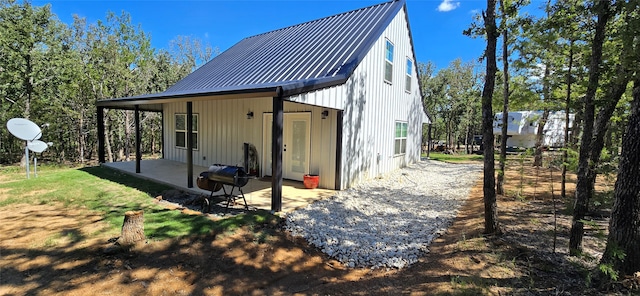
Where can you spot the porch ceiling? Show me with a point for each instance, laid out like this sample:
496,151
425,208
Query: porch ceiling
257,192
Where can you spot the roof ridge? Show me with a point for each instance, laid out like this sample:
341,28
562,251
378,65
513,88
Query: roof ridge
320,19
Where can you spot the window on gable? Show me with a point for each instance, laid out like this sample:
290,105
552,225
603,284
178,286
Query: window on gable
400,138
181,130
408,79
388,63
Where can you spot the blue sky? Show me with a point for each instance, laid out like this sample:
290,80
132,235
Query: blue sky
436,25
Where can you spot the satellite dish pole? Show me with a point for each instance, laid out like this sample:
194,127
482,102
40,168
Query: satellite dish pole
37,146
26,158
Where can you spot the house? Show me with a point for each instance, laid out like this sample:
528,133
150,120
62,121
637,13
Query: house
522,128
338,97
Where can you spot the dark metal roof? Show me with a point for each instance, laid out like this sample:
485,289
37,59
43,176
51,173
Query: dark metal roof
298,58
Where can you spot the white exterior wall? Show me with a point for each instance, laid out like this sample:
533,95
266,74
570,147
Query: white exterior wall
372,106
223,127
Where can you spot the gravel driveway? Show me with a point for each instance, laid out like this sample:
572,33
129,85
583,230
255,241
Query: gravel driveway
390,221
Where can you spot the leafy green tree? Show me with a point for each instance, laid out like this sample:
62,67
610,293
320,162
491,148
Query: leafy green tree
30,68
604,12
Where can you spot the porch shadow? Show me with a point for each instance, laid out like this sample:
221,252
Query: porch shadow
173,174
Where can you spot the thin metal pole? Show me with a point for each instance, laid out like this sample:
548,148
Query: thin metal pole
26,158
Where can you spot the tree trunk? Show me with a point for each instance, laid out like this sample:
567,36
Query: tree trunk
107,138
491,225
132,228
28,84
613,95
602,9
505,101
127,135
537,156
565,153
624,233
81,142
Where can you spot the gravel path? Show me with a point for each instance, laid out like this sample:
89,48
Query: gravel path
387,222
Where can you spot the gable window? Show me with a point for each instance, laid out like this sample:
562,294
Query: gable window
388,62
400,138
408,79
181,130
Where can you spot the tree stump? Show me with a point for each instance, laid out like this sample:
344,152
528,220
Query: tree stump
132,228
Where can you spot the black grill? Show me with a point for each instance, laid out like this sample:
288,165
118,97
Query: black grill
217,177
228,175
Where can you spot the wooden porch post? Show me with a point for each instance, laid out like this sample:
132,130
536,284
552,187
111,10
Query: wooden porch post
100,120
189,145
276,152
136,115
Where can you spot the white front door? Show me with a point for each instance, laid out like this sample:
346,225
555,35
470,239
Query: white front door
296,145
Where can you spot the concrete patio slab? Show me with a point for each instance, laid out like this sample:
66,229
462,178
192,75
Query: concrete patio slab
257,191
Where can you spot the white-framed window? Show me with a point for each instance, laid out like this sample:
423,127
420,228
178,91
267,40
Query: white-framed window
181,130
388,62
400,141
408,78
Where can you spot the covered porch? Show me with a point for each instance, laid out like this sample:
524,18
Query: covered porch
257,191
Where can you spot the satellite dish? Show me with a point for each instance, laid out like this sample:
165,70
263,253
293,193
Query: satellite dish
37,146
24,129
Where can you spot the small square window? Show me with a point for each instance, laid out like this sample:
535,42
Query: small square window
181,130
388,63
409,73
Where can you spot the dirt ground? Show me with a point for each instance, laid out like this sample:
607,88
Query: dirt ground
48,250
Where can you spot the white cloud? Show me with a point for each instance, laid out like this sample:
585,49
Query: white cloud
448,5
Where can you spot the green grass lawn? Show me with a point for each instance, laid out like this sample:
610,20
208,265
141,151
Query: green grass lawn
454,157
110,194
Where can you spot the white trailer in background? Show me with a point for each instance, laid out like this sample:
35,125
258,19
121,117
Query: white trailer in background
522,128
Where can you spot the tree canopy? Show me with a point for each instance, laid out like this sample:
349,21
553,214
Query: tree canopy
51,72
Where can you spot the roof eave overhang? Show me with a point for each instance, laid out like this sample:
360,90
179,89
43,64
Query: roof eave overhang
157,100
154,102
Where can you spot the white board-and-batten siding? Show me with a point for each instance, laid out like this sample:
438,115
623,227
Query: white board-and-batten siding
372,107
223,128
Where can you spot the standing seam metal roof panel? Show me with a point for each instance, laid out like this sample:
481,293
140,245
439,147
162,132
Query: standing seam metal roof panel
299,58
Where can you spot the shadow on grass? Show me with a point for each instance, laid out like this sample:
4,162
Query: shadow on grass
162,223
146,186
